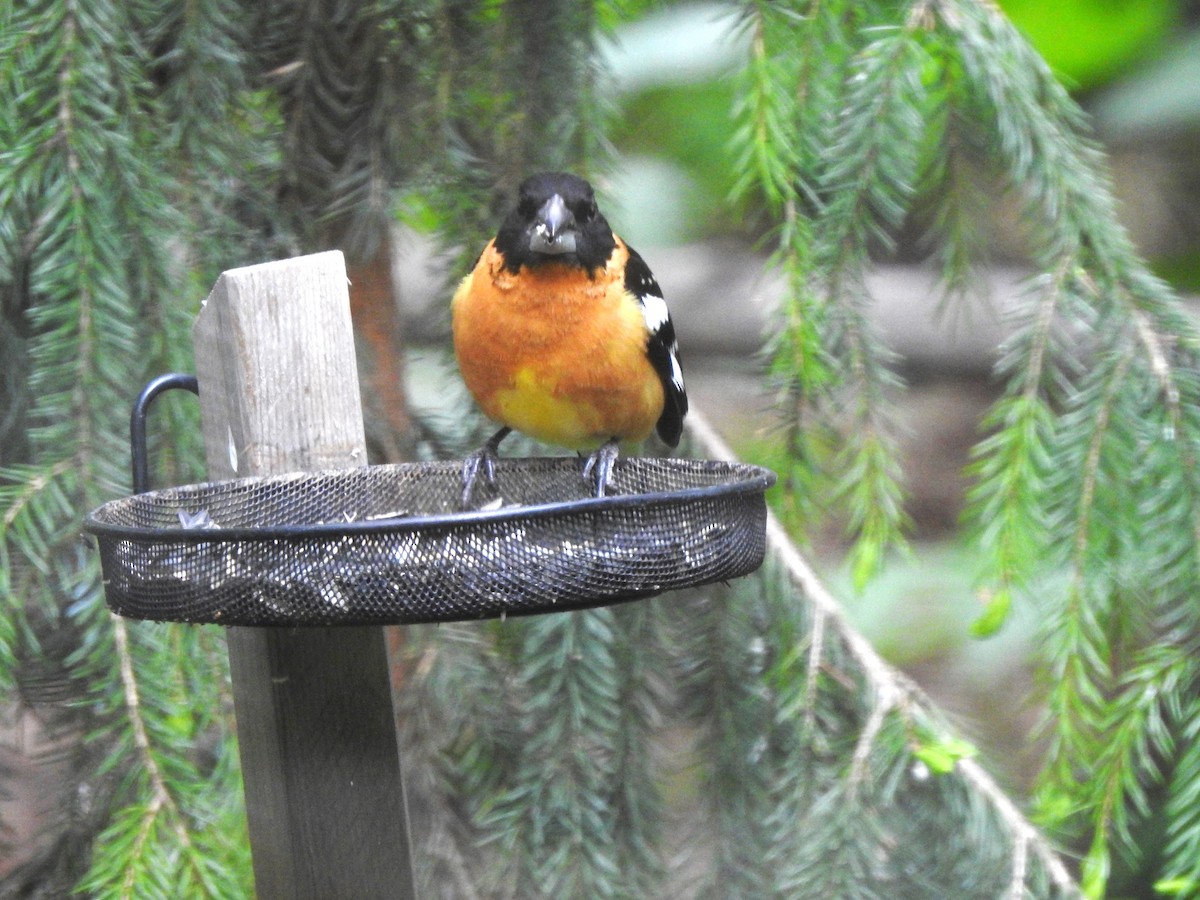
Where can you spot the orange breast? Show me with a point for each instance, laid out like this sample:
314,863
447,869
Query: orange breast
556,354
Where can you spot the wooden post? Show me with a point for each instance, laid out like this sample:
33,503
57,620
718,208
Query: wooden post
320,757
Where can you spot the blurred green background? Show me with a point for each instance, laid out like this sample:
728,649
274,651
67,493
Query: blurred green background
1133,64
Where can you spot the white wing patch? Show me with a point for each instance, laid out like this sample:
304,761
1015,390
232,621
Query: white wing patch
654,310
676,372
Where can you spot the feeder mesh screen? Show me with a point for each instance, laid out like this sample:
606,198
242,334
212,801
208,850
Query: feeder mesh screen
389,544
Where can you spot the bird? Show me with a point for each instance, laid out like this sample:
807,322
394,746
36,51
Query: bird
561,332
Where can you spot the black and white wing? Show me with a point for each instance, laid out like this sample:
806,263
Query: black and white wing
661,347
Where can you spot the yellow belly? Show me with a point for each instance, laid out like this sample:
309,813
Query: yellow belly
536,405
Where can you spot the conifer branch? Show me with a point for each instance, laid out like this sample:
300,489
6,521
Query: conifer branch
1182,864
1090,471
1123,429
1156,353
160,796
26,487
815,660
890,687
885,700
891,694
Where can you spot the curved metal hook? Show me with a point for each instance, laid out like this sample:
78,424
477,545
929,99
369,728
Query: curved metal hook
137,422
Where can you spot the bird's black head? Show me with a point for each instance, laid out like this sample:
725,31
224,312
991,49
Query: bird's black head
555,221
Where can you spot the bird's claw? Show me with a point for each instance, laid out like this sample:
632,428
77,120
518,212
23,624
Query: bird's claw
601,463
483,461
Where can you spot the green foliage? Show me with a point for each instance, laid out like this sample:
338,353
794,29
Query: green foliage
182,829
515,89
799,764
941,753
838,176
88,274
146,146
1088,463
550,822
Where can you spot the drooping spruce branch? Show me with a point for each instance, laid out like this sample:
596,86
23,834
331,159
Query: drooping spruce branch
550,816
1088,466
896,764
182,829
828,146
92,286
1115,475
774,160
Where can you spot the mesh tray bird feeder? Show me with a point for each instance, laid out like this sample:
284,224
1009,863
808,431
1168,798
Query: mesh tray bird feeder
387,544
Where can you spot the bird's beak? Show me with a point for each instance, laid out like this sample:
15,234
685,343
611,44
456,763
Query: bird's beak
554,216
553,229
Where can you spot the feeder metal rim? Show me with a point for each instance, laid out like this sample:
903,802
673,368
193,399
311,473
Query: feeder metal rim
763,479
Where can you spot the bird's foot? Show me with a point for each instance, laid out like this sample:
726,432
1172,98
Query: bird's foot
482,461
601,464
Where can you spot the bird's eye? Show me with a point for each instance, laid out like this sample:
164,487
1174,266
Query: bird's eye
587,210
527,207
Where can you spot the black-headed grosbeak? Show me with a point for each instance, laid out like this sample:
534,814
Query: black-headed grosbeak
561,332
